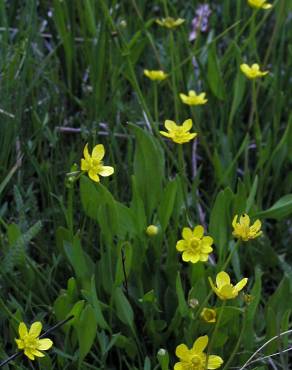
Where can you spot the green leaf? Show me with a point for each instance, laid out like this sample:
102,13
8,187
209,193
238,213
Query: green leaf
125,250
220,221
86,330
167,203
182,305
282,208
214,75
148,169
124,310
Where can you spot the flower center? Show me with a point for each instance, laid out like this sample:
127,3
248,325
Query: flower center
195,244
197,363
30,342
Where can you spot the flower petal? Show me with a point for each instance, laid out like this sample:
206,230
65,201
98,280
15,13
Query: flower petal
85,152
22,330
44,344
214,362
182,352
200,344
187,124
35,329
179,366
20,343
85,165
98,152
37,353
245,220
170,125
234,221
29,354
240,285
222,279
106,171
187,233
198,231
167,134
181,245
93,175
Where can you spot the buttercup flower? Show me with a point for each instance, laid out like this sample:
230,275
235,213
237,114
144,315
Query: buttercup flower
155,75
253,71
194,245
243,230
152,230
193,99
259,4
170,22
93,163
224,289
208,315
195,358
29,340
179,134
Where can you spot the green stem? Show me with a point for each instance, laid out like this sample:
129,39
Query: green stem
214,333
183,176
173,75
155,103
226,263
235,349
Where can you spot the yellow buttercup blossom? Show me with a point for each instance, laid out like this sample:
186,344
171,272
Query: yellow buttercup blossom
253,71
155,75
243,230
152,230
194,246
170,22
224,289
193,99
93,163
29,340
195,358
208,315
179,134
259,4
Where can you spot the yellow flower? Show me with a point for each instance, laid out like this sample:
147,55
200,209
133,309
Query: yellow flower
195,358
179,134
29,340
193,99
224,289
208,315
243,230
93,163
253,71
259,4
152,230
194,245
170,22
155,75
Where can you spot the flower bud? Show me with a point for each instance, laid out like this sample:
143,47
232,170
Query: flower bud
152,230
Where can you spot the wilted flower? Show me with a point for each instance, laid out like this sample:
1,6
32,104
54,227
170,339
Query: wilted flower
194,245
243,230
224,289
193,99
29,340
179,134
208,315
155,75
170,22
195,358
200,22
253,71
93,163
152,230
259,4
